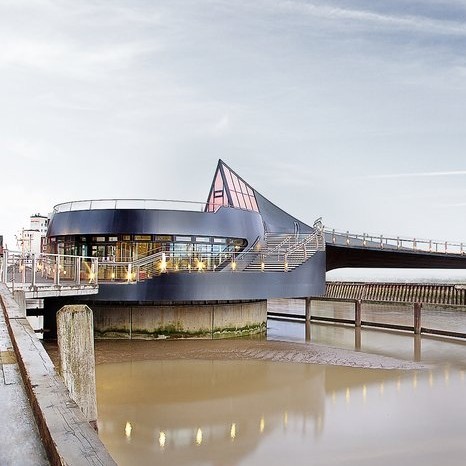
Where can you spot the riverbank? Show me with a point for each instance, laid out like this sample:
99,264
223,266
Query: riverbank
108,351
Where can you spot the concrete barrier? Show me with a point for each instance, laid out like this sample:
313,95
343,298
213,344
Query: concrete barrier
67,436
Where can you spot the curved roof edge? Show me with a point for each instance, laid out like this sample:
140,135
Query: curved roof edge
230,189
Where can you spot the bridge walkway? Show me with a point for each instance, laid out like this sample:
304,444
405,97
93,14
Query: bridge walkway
19,437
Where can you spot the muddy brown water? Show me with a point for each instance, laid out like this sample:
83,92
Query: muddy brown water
315,396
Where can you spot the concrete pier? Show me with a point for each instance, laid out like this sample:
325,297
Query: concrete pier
67,437
190,320
19,437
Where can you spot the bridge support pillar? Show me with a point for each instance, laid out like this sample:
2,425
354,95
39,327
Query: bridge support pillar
357,313
308,309
417,318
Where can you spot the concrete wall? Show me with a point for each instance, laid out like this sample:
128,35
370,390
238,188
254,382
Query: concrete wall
68,438
213,320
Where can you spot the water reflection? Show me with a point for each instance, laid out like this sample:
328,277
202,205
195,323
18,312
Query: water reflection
203,412
231,412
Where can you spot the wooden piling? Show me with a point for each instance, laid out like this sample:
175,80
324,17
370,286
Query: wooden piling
357,313
75,334
417,318
308,309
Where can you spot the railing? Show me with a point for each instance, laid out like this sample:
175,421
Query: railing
229,260
113,204
19,270
398,243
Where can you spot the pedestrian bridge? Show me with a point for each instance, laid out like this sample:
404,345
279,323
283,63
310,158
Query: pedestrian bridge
345,249
58,275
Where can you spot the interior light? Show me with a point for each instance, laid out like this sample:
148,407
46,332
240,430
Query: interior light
163,263
262,425
200,266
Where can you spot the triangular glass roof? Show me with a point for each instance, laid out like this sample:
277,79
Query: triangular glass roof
230,190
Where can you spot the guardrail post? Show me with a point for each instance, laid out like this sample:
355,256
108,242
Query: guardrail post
5,266
417,318
95,266
33,270
57,270
381,241
78,271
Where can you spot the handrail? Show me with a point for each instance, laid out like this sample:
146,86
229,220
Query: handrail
44,269
98,204
399,243
144,204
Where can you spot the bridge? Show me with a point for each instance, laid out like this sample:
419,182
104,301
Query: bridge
345,249
60,275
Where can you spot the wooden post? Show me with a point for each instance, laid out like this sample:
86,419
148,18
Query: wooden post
417,347
307,330
417,318
357,338
357,313
308,309
75,334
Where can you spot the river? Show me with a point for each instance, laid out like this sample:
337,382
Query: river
238,402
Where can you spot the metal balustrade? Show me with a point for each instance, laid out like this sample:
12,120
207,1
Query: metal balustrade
20,270
365,240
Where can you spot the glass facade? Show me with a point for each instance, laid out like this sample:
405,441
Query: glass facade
228,189
124,256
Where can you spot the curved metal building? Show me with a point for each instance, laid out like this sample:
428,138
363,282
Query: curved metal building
236,246
202,272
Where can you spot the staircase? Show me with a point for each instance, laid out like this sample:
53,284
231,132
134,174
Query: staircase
285,252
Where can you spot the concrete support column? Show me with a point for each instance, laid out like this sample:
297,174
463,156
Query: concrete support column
417,318
75,334
357,313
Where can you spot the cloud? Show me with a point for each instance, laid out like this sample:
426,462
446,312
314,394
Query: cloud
222,125
371,18
418,174
72,60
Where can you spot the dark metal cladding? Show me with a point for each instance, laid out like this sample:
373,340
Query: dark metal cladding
230,222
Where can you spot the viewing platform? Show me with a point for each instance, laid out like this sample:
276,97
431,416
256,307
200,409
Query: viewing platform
49,275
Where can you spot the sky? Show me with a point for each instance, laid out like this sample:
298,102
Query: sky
353,111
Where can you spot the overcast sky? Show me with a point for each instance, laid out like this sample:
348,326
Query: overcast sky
352,110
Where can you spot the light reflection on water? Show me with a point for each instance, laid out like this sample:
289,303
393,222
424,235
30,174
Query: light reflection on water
198,412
